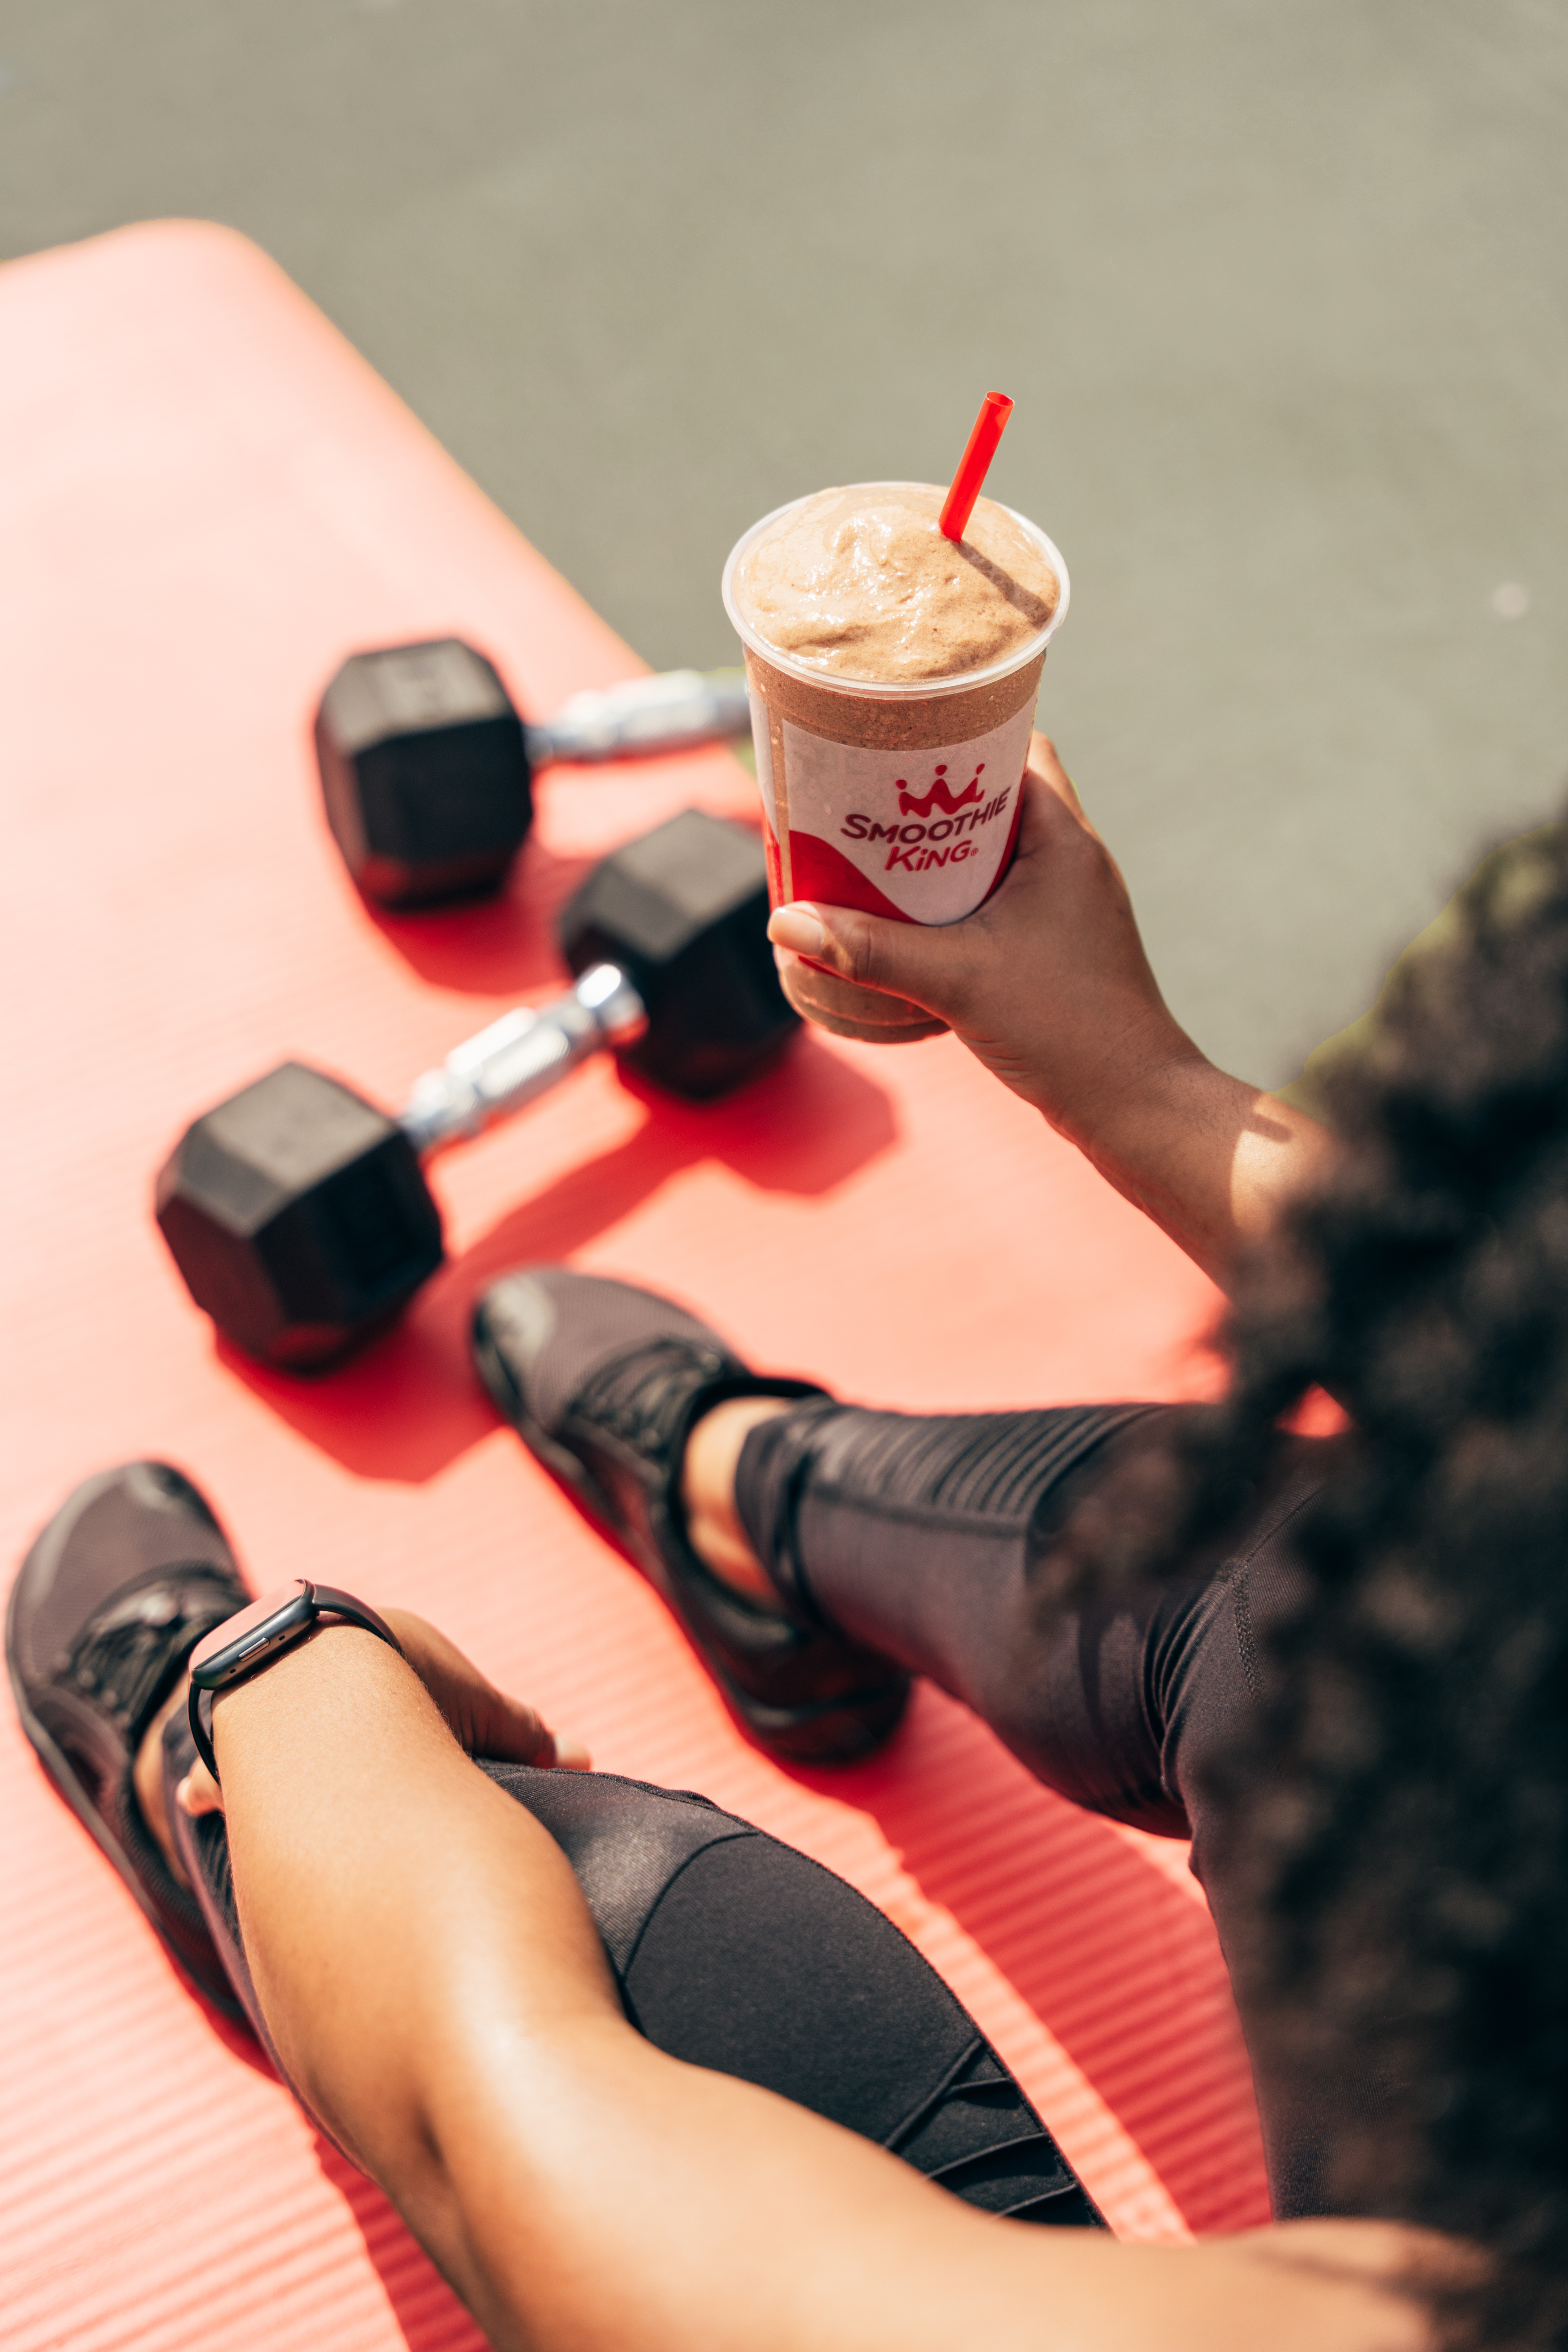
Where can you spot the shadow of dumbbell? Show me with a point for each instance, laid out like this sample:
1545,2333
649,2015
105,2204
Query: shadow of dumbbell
411,1406
501,946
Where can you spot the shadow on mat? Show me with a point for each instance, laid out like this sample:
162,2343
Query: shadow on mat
491,947
1118,1961
506,945
428,2314
411,1405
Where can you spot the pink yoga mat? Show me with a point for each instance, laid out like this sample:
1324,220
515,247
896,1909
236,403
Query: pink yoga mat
208,499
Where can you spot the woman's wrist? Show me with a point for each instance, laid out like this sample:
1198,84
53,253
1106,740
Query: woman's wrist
1209,1158
315,1673
1115,1100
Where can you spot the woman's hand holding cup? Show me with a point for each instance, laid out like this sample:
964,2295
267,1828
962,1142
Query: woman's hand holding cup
1047,983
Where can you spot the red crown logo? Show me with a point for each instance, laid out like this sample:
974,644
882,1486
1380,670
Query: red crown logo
939,795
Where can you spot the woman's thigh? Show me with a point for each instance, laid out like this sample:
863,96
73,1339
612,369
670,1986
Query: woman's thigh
735,1952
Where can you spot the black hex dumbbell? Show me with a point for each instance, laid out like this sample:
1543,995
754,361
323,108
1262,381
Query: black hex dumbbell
427,770
297,1212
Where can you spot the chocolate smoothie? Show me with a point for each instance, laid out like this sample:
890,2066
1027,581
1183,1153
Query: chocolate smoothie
893,677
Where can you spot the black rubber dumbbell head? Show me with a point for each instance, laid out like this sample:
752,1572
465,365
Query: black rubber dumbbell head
425,773
684,913
300,1217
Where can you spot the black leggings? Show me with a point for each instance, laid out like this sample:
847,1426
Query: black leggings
929,1538
735,1952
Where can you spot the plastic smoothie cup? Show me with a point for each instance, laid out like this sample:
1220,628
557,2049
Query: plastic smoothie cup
899,798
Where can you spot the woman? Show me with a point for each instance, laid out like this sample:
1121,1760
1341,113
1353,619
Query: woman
1341,1666
421,1954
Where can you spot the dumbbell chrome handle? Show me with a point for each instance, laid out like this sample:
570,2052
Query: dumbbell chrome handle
519,1057
672,713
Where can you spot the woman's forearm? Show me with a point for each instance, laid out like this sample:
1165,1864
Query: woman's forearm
1211,1159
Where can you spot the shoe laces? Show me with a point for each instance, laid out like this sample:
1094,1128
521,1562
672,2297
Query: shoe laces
127,1658
642,1397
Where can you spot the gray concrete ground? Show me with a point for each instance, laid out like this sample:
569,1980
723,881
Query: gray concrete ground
1279,287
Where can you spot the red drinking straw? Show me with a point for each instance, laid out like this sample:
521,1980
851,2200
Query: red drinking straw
974,464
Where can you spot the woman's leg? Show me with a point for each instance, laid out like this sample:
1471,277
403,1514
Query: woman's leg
929,1538
705,1920
859,1546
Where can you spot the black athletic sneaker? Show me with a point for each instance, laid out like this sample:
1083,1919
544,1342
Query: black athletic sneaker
129,1574
603,1383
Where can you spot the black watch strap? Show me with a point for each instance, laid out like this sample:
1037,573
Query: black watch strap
326,1600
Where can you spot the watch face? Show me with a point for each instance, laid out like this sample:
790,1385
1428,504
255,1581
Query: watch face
242,1642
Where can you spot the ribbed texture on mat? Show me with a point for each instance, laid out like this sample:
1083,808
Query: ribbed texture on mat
210,500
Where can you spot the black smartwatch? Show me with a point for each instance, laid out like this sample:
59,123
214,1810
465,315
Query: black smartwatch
260,1633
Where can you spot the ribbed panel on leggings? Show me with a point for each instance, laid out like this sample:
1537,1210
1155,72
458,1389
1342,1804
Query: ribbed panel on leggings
969,1472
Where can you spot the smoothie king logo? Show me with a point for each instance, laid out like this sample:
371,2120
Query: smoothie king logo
949,841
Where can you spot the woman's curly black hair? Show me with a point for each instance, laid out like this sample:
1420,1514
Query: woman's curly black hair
1402,1810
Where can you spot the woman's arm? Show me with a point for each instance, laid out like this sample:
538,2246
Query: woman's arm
1048,985
433,1981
